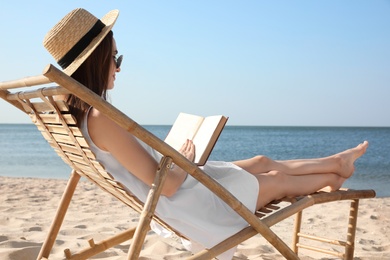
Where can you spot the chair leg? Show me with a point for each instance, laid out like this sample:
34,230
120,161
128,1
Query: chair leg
352,223
60,215
148,210
96,248
297,229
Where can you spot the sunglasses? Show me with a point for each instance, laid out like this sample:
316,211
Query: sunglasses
118,61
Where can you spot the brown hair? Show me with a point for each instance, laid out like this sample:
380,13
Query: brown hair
93,74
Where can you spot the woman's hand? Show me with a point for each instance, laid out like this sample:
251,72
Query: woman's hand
178,175
188,150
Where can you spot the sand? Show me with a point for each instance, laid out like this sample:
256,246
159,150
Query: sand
28,206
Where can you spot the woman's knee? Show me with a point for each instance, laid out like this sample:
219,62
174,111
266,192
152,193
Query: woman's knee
263,162
258,164
262,159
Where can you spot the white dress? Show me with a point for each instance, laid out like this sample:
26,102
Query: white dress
193,210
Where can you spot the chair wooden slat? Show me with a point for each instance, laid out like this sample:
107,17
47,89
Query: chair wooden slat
77,157
44,107
260,214
272,207
88,169
59,129
115,183
265,210
72,149
66,139
92,176
53,119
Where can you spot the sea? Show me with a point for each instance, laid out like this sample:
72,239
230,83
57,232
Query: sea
25,153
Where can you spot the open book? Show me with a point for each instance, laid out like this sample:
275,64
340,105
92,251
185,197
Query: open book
203,131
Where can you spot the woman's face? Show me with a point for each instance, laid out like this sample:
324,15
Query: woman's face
113,68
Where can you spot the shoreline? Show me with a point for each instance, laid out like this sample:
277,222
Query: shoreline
29,204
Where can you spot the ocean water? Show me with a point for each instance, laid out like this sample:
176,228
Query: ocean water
25,153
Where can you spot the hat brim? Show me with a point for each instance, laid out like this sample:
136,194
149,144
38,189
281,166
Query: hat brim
109,20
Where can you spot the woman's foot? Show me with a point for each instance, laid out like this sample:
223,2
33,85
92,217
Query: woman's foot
348,157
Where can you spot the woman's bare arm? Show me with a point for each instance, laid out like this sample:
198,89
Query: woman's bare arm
108,136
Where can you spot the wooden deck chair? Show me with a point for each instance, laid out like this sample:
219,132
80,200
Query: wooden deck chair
59,128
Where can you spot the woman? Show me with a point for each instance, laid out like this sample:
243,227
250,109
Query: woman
85,48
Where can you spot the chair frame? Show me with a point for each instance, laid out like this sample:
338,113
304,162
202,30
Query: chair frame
258,223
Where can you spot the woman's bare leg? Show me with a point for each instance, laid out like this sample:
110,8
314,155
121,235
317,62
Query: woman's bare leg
276,185
341,164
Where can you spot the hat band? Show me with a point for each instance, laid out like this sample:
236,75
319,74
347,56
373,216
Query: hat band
75,51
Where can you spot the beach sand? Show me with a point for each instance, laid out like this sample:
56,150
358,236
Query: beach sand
28,206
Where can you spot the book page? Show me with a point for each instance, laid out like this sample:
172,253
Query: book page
207,135
185,127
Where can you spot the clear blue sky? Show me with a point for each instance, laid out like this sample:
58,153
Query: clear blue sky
301,63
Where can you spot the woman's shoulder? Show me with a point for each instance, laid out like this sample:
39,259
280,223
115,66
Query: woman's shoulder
97,120
101,128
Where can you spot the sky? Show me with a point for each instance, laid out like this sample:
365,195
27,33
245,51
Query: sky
267,63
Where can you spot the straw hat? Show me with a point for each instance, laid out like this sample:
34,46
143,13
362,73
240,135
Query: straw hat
76,36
